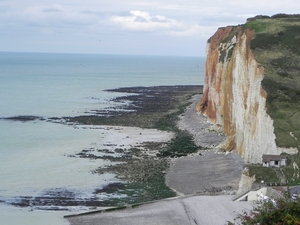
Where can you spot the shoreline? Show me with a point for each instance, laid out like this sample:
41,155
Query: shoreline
171,110
128,153
203,204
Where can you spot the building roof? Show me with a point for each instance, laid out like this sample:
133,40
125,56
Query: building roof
268,158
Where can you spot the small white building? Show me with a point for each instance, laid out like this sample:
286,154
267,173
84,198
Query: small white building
274,160
261,194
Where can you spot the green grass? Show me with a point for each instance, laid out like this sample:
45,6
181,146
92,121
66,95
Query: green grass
289,171
268,175
277,47
257,26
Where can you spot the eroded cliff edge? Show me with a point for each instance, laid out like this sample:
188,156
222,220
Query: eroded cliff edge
249,91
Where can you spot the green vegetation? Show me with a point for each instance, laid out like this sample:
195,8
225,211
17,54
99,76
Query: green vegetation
143,175
277,47
142,181
181,145
258,26
161,113
168,121
138,192
292,174
268,175
281,212
226,53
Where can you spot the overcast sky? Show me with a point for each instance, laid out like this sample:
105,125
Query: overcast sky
143,27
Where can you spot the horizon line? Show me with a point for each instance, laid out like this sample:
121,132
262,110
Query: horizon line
121,54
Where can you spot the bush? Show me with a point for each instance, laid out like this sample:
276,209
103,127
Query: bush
280,212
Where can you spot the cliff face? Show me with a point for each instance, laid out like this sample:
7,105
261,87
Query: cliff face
233,96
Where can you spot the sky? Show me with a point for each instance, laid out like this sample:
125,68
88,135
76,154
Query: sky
135,27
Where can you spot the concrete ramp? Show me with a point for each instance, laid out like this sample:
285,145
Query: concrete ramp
193,210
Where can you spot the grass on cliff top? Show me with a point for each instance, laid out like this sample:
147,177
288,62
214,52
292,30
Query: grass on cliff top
277,47
268,174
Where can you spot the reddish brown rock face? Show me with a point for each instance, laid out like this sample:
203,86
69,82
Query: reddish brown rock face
233,96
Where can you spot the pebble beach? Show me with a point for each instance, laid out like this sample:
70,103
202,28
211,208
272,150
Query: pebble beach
205,183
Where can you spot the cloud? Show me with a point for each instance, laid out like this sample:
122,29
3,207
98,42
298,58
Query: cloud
143,21
95,12
186,23
55,16
194,31
224,19
53,9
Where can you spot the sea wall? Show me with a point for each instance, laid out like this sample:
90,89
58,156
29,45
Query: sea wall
233,97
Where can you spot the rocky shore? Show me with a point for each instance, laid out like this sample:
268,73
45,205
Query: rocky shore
137,131
209,171
158,147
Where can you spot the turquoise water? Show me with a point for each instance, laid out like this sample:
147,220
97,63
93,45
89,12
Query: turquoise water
33,154
68,84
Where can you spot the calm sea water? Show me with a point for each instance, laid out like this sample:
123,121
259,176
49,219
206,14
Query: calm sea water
33,154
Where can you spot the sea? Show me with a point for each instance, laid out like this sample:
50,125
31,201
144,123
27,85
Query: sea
33,153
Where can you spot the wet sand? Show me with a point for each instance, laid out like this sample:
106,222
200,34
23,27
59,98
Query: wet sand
208,171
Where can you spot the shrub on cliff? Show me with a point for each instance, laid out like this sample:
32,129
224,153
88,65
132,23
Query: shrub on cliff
282,212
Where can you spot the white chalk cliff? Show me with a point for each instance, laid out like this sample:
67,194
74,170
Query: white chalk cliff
233,96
